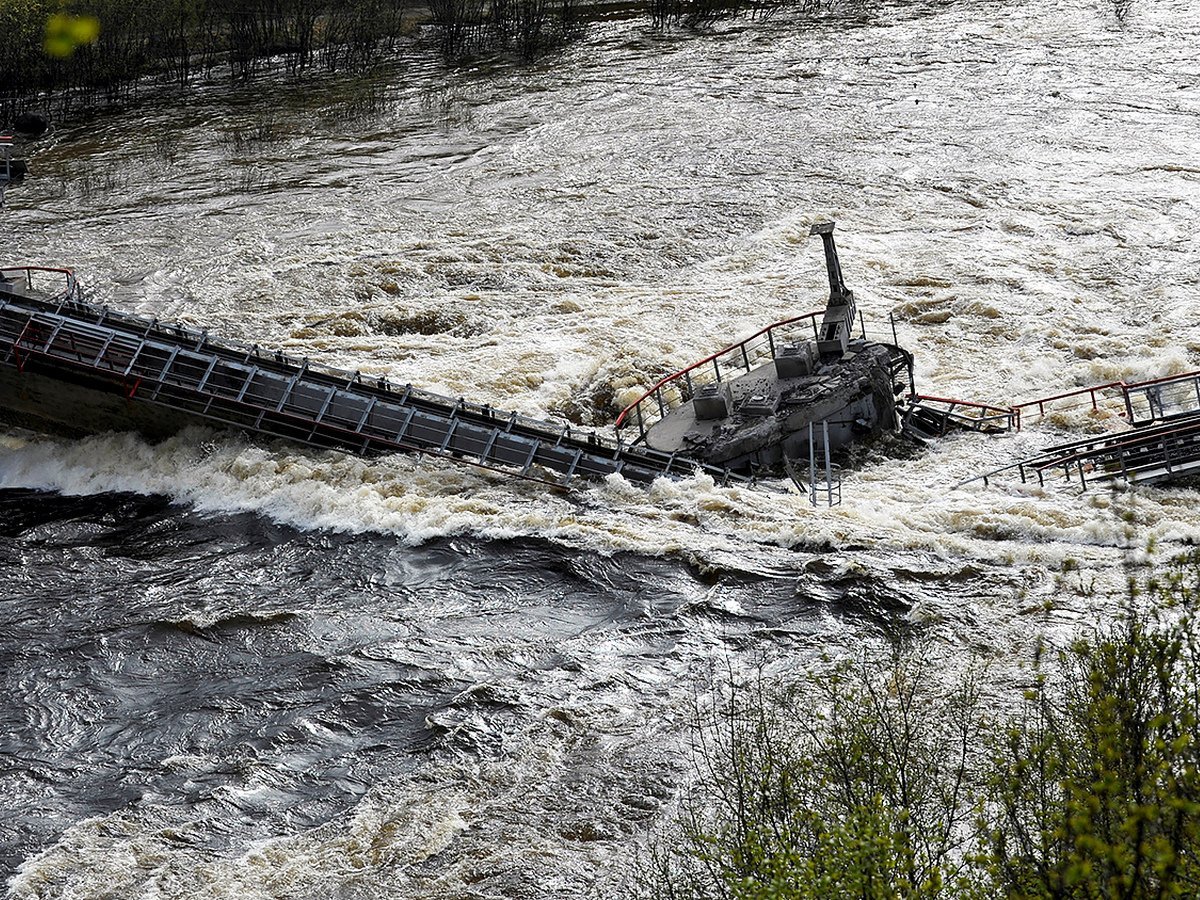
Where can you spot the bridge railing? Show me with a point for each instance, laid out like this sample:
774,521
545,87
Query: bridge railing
679,387
70,292
1162,398
1093,395
969,414
1139,402
1151,453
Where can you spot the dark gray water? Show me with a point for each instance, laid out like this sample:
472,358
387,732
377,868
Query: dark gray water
250,671
222,679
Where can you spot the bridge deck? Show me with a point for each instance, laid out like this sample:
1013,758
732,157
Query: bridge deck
1164,450
268,393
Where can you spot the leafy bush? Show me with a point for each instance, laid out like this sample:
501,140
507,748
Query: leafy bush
854,783
873,779
1095,783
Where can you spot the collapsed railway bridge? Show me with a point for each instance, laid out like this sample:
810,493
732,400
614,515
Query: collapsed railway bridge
79,368
71,366
750,408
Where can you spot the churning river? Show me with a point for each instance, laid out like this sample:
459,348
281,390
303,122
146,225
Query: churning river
248,671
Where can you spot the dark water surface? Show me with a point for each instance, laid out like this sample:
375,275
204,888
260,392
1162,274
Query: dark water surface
243,679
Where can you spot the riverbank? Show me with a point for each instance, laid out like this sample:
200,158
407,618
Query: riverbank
190,42
193,43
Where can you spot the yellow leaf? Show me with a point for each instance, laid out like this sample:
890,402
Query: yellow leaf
65,33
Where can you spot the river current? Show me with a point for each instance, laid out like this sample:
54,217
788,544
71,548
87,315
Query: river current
233,670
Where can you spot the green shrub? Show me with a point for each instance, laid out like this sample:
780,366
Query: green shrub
875,780
854,783
1095,787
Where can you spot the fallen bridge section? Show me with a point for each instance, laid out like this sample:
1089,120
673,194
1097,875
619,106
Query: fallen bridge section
77,366
927,417
1149,454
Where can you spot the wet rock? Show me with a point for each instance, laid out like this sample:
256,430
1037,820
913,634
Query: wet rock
819,567
586,831
30,124
643,804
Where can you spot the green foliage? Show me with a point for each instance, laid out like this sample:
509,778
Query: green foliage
852,784
1096,782
872,781
22,34
101,48
65,33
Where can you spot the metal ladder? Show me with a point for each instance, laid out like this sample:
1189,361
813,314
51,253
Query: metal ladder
831,490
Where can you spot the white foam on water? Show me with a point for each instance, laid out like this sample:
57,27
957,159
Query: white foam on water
891,506
144,854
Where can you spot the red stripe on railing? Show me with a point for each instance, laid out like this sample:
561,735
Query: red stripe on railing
1163,380
1093,391
1121,385
71,292
663,382
37,269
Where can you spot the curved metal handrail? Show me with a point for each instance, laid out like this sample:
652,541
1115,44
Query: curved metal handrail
712,359
72,292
